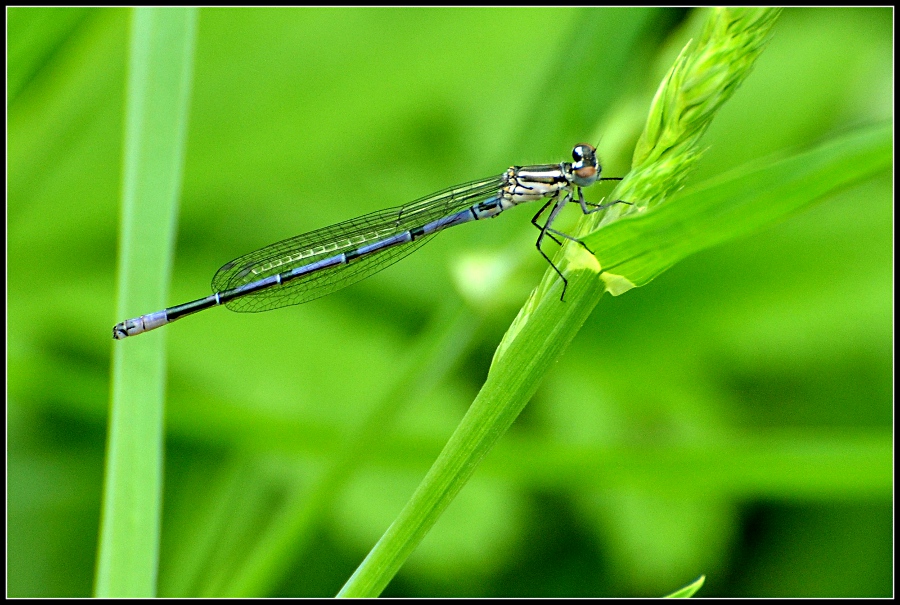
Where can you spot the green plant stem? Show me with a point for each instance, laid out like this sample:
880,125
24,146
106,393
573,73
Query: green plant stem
157,94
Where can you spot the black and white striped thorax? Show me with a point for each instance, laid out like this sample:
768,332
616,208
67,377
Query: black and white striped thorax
523,184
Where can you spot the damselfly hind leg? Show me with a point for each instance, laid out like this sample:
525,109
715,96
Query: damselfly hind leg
551,233
546,230
543,228
537,245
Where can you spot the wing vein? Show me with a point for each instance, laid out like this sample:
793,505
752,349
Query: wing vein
346,236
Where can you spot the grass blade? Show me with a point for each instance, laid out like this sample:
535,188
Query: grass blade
689,590
158,90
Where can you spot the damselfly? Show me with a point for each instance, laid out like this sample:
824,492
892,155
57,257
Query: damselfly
305,267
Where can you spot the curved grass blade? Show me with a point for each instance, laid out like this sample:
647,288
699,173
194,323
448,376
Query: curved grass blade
689,590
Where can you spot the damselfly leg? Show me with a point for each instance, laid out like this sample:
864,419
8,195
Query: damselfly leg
546,230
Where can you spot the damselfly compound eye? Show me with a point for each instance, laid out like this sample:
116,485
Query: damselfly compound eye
583,151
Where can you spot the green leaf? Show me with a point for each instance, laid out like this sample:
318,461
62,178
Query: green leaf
158,90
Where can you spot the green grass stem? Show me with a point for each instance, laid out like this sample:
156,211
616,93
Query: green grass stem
158,90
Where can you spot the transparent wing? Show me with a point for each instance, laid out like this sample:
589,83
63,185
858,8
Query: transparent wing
341,237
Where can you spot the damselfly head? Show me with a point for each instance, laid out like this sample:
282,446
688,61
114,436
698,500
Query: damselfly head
586,168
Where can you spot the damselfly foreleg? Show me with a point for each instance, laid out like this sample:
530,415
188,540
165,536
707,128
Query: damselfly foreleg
598,207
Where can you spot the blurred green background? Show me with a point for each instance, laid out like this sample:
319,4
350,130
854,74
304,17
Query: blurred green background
732,418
